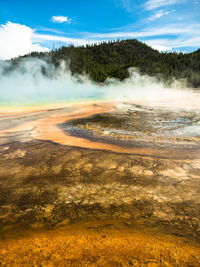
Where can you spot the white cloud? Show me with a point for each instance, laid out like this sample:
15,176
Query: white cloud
158,15
179,36
153,4
60,19
62,39
166,44
160,47
173,29
16,40
160,44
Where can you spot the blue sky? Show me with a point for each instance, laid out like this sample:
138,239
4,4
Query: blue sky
41,25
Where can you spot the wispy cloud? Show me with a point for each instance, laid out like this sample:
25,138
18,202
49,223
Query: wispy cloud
176,43
127,5
158,14
179,35
172,29
45,29
154,4
167,44
61,19
62,39
18,39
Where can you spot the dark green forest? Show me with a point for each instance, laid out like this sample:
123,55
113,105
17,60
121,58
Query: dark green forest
113,59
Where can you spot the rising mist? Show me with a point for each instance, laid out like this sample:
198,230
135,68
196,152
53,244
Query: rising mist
34,81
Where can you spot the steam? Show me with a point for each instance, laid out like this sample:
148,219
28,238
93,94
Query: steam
34,81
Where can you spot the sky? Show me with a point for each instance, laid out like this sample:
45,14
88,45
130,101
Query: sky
42,25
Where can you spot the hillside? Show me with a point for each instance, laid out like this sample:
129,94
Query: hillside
113,59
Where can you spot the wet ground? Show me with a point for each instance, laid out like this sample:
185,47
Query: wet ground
47,183
141,126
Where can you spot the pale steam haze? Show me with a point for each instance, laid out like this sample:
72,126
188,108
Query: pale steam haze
27,26
26,85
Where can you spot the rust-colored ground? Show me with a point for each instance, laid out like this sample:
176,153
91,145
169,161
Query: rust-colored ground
97,245
47,128
46,185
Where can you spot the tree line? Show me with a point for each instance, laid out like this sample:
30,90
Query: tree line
113,59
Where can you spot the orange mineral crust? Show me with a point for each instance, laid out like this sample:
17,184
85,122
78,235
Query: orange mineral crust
45,126
97,244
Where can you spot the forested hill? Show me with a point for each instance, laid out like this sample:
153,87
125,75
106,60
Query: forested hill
113,59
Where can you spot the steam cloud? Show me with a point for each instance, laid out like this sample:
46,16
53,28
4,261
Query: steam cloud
27,84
